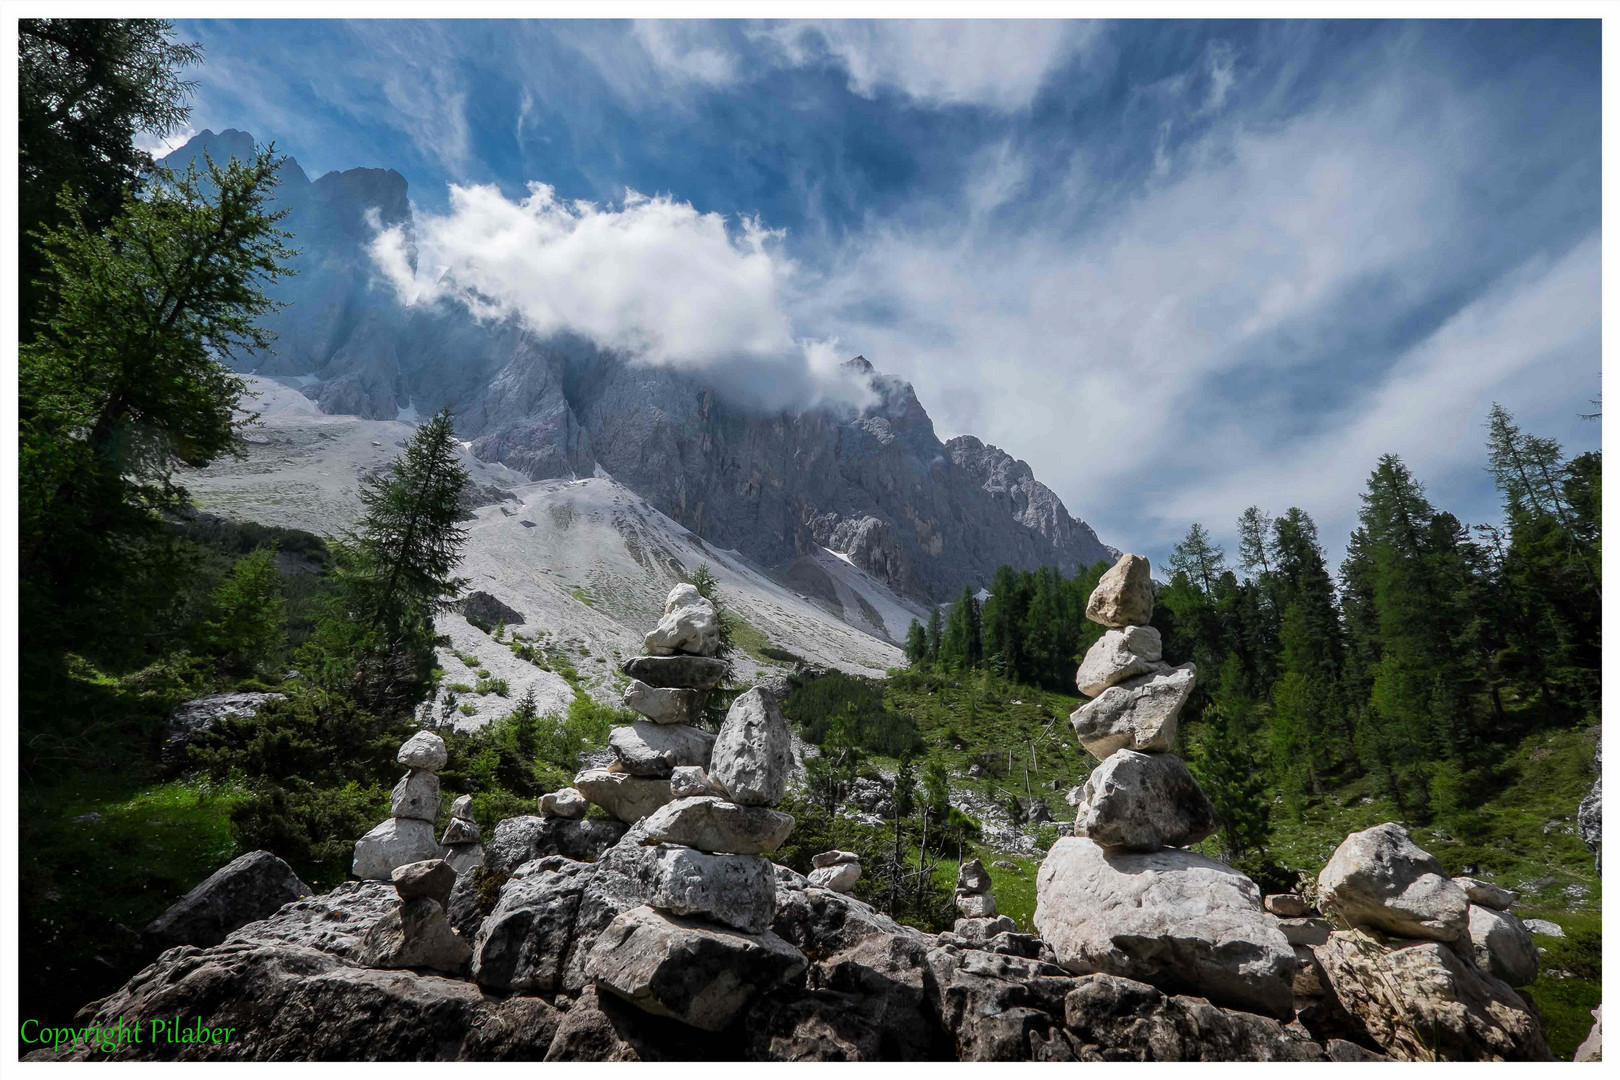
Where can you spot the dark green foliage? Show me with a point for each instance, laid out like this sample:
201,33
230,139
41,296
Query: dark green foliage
854,706
247,622
319,738
916,643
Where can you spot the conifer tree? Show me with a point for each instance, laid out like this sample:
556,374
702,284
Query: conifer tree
916,643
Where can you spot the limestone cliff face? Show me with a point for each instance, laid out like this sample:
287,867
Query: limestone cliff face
879,487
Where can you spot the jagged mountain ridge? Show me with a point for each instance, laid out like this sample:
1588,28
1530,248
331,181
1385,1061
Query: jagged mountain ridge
921,517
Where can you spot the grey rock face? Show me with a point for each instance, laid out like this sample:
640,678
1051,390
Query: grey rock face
1379,879
709,823
1135,1022
975,905
825,921
415,934
679,672
663,705
753,754
1589,816
334,922
424,750
393,843
432,877
1171,918
191,718
1544,926
1119,655
459,831
523,944
687,781
693,972
840,877
647,749
1485,894
628,798
1142,802
998,1007
462,857
482,606
1286,905
523,839
1303,931
462,808
416,796
738,891
971,876
564,803
690,625
1124,596
1138,714
248,888
833,858
1502,945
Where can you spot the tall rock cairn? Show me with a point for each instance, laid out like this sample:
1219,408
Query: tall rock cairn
407,835
667,687
461,841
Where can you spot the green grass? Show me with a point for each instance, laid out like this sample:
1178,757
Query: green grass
583,596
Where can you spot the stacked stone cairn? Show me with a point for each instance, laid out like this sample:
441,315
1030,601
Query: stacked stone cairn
462,849
667,687
835,870
1121,896
710,892
416,933
407,835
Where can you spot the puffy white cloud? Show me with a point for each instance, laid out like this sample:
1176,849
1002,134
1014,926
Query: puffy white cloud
652,278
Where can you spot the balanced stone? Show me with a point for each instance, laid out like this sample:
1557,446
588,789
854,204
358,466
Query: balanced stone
460,831
1124,596
647,749
395,842
833,858
414,935
1172,918
462,808
686,781
1142,802
709,823
839,877
975,905
686,672
690,625
416,796
431,877
972,877
1379,879
463,858
628,798
663,704
1119,655
1138,714
1502,945
753,754
736,890
564,803
424,750
1286,905
1486,894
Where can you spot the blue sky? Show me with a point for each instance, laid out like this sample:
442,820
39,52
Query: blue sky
1179,267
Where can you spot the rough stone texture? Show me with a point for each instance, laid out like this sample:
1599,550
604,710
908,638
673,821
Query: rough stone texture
709,823
1286,905
1502,945
869,1002
523,944
519,840
424,750
191,718
840,877
459,831
697,973
334,922
1589,816
978,931
1418,1001
250,887
416,796
1118,1019
753,754
462,808
824,921
833,858
1379,878
600,1027
648,749
391,844
431,877
1171,918
1544,926
1119,655
972,877
486,608
1142,802
415,934
690,625
1305,931
663,705
462,857
1138,714
628,798
689,781
1485,894
564,803
997,1007
1124,596
683,672
738,891
974,905
1591,1048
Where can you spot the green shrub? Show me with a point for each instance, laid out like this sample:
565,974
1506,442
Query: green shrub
460,688
313,829
821,703
317,738
487,685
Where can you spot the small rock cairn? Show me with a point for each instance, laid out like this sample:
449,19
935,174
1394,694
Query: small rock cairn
407,835
1141,798
462,849
417,934
836,870
973,897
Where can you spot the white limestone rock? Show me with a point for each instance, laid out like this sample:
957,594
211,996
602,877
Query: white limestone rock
1124,596
753,754
686,781
738,891
975,905
462,858
1138,714
1485,894
690,625
424,750
416,934
1379,878
460,831
1502,945
833,858
628,798
1119,655
416,796
564,803
648,749
392,844
1142,802
709,823
663,704
462,808
839,877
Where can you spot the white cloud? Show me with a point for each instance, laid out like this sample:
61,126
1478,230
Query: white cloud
687,51
651,278
162,145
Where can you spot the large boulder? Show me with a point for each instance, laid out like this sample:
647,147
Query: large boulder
681,672
1502,945
690,625
392,844
694,972
648,749
1142,802
1119,655
1419,1001
628,798
663,704
1379,878
415,934
1138,714
1172,918
335,922
709,823
866,1003
753,754
1115,1019
518,840
824,922
736,890
424,750
998,1008
564,803
523,944
248,888
416,796
839,877
1124,596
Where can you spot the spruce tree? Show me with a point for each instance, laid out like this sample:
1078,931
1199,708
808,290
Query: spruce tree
916,643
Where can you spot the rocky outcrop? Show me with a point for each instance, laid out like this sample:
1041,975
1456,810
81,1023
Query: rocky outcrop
246,889
523,839
1115,1019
